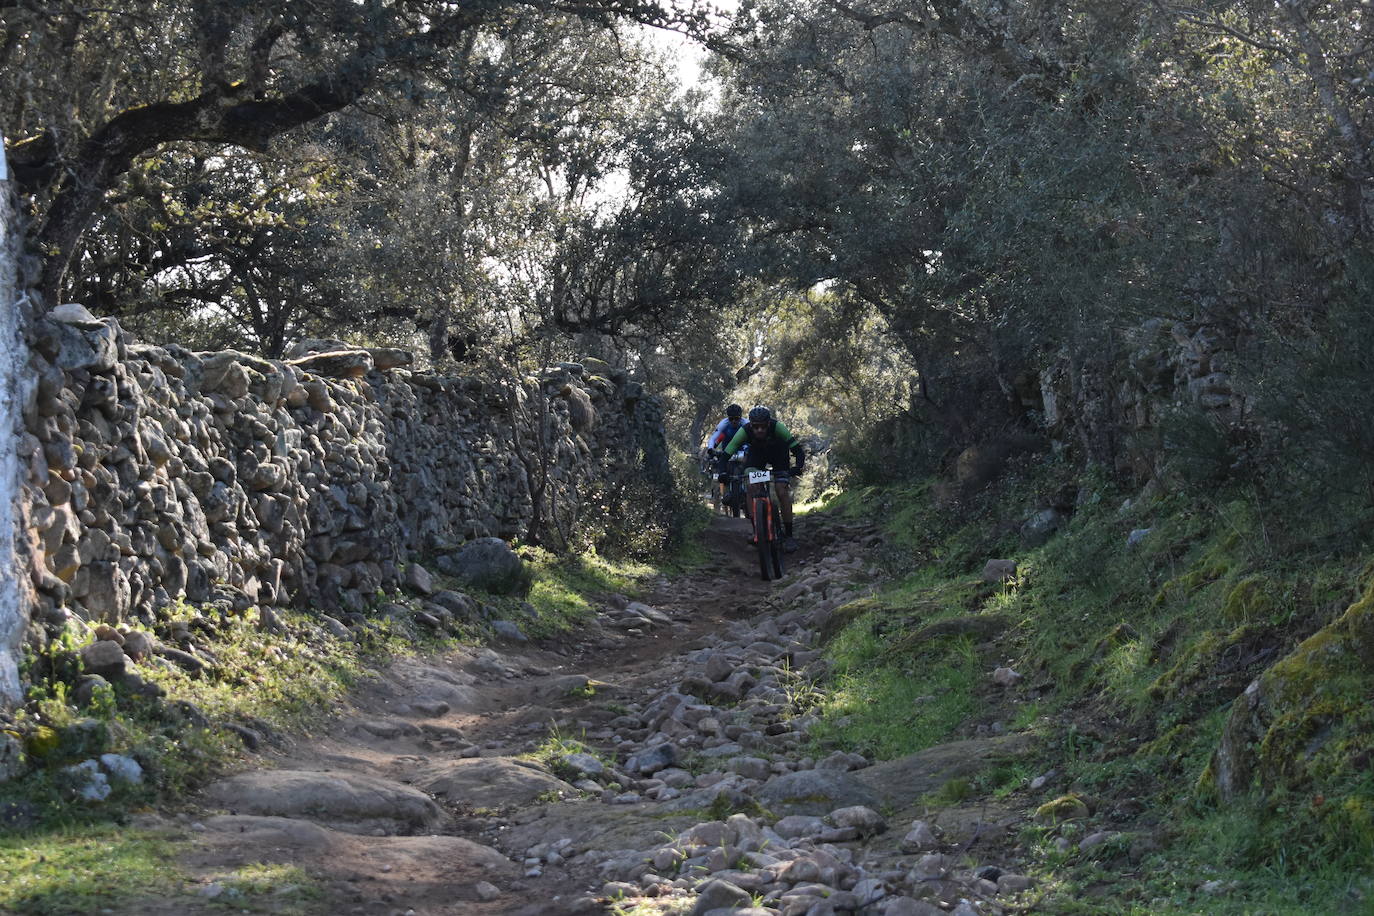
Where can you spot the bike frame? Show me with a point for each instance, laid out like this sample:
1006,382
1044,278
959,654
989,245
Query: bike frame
766,517
735,490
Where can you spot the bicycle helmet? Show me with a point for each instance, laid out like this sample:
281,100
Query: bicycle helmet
760,414
734,411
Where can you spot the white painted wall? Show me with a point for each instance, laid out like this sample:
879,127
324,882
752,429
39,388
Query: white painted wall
13,358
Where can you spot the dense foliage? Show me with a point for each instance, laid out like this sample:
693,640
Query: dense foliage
891,209
258,172
1012,186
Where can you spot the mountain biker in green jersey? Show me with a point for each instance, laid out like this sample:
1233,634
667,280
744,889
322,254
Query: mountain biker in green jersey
769,443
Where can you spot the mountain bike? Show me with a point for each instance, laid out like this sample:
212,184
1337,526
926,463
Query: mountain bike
707,460
734,486
764,513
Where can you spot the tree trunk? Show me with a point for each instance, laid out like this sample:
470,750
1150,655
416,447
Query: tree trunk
697,429
1359,170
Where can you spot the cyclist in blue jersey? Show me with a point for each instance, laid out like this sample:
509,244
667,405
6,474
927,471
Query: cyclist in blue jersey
725,431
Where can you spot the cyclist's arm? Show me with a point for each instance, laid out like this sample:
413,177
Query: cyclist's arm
719,434
792,442
735,443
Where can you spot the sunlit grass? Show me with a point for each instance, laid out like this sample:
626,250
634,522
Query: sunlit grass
564,588
1127,668
283,890
285,677
1207,869
555,746
886,711
84,869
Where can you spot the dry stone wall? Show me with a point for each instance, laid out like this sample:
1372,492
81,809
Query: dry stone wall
1093,407
154,473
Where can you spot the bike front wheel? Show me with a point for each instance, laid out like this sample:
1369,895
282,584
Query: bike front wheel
763,537
775,547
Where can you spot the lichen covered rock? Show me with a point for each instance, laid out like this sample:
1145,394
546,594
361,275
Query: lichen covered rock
1306,721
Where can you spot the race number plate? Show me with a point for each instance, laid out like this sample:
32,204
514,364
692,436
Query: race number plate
760,476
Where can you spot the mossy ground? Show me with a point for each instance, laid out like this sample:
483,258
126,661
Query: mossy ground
1132,655
79,869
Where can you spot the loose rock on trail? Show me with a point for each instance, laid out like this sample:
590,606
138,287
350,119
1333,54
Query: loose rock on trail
699,797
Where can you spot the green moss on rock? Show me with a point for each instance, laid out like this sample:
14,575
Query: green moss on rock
42,742
1250,599
846,614
1304,722
1181,588
1064,808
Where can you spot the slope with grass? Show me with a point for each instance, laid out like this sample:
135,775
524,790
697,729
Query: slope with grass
1197,671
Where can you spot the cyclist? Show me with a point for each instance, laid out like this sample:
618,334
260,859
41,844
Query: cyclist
725,431
769,442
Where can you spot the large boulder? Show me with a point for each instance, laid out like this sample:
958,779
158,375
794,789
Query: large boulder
581,413
1041,526
490,782
489,564
77,343
390,357
816,792
349,798
999,570
315,345
336,364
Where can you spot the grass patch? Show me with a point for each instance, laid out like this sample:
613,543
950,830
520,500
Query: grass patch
82,869
1211,867
555,747
1005,778
283,678
283,890
564,589
952,792
888,712
888,696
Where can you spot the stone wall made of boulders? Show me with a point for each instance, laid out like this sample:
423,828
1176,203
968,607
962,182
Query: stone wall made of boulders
155,473
1092,408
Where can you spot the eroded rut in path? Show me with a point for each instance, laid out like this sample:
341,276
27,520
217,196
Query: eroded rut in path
698,795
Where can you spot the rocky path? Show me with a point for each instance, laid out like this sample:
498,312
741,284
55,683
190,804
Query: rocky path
446,791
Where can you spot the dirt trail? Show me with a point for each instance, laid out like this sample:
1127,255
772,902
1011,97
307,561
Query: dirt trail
418,801
501,704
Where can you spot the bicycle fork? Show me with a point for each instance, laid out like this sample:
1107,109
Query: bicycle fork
764,504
